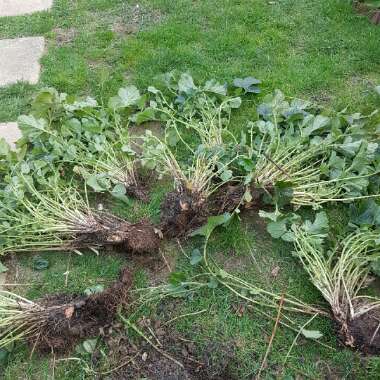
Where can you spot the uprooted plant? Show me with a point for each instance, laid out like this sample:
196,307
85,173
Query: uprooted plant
61,219
318,159
55,323
340,274
196,181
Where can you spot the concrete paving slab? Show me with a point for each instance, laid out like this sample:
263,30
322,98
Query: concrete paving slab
10,132
22,7
19,59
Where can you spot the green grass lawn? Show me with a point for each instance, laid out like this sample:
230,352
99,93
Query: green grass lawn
319,50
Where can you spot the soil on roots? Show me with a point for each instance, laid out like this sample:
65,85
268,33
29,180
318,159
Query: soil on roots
181,212
141,237
70,318
363,332
139,192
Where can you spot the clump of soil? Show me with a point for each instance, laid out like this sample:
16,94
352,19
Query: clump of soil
363,332
108,230
70,318
139,191
181,212
197,363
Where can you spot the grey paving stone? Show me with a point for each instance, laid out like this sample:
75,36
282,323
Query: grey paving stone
19,59
10,132
22,7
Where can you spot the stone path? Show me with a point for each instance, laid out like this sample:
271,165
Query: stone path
22,7
20,57
10,132
19,60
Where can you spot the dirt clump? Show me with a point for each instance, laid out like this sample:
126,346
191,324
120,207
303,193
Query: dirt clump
363,332
66,319
110,231
181,212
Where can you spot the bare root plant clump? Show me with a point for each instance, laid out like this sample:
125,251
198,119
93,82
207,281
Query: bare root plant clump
56,323
63,220
340,275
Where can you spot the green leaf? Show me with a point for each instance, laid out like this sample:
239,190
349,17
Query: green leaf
235,102
212,223
3,357
176,278
186,84
196,257
311,334
215,87
377,89
248,84
39,263
318,122
129,95
283,193
94,290
212,283
273,216
3,268
226,175
147,115
4,147
277,229
92,181
320,225
223,273
89,345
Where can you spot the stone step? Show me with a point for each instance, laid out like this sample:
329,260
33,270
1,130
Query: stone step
19,60
22,7
10,132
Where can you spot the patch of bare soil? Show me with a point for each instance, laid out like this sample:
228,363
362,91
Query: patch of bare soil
70,318
188,363
64,36
135,18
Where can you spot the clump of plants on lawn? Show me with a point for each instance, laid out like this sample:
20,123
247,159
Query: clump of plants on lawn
292,158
